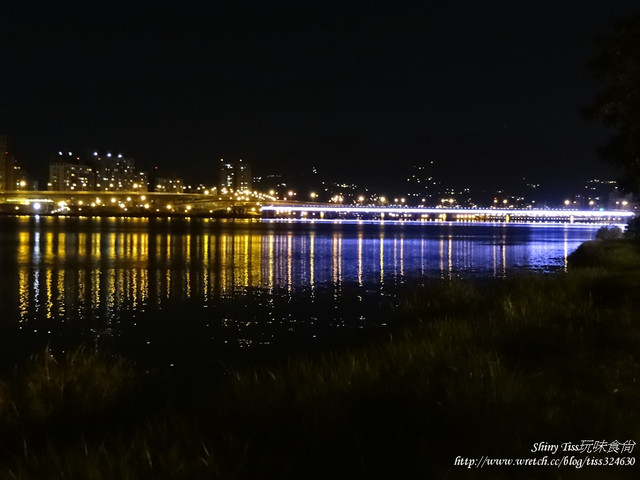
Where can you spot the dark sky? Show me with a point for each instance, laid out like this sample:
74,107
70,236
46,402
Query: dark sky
489,90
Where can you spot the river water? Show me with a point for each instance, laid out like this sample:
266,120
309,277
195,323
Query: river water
208,284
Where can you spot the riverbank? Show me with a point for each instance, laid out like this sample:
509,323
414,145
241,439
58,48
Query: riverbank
469,370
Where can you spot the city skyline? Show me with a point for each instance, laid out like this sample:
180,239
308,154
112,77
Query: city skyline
97,172
489,92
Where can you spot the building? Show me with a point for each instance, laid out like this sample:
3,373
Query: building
6,165
169,184
226,174
118,173
96,172
243,176
67,175
235,175
12,176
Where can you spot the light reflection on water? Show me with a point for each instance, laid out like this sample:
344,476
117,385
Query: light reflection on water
74,268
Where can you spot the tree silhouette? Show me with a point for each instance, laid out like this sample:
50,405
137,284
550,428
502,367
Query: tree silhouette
616,66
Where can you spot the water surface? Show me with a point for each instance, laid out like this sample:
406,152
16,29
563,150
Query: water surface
243,282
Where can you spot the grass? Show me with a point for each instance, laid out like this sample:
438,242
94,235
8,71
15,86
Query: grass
472,369
620,254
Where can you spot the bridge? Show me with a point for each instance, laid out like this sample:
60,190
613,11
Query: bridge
133,203
437,214
255,204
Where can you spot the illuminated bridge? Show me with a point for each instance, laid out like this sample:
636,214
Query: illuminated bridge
133,203
255,204
317,211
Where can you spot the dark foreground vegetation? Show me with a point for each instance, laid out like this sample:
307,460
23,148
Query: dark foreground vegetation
473,369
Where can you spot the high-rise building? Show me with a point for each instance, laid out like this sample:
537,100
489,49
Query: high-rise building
243,176
95,172
12,176
4,162
235,175
67,175
118,173
226,174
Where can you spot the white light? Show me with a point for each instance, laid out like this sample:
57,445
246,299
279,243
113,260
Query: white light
109,155
475,211
37,206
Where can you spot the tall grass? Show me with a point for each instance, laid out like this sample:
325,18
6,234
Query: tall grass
469,370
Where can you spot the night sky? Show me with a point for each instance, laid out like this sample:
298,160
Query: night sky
490,91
